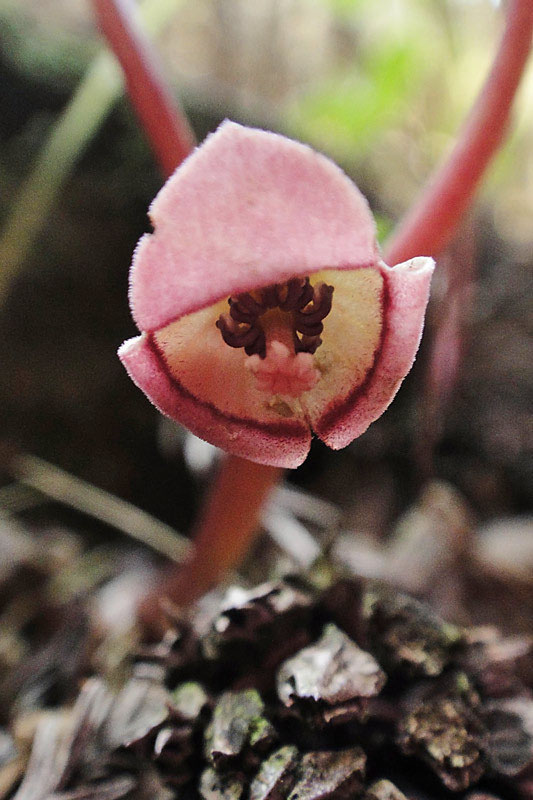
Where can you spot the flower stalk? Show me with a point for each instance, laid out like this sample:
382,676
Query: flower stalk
161,118
225,528
432,222
229,519
223,533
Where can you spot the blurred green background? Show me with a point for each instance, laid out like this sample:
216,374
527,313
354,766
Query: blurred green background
382,88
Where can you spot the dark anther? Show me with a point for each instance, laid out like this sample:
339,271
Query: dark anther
258,346
308,319
311,317
269,297
310,330
318,308
248,304
241,327
251,337
295,294
306,344
240,314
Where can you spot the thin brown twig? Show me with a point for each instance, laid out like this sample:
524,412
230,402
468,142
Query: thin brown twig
59,485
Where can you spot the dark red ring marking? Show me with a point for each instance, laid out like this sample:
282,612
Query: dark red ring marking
308,304
331,418
283,428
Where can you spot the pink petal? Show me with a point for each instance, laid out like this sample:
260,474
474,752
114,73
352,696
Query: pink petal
405,296
276,441
246,209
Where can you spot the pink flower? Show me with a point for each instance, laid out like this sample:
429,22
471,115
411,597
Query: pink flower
265,310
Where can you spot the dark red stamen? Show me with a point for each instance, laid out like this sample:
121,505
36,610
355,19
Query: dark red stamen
306,344
235,334
270,297
247,304
307,304
294,294
308,319
239,314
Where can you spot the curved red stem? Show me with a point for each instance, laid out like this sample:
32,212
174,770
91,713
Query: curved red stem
223,533
163,122
431,223
230,516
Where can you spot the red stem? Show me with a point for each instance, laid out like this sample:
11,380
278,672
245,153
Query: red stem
449,322
230,517
431,223
227,525
162,120
231,514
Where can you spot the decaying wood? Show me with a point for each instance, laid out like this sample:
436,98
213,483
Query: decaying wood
373,677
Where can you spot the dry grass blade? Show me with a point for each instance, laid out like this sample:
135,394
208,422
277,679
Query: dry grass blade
112,789
307,506
290,535
46,763
59,485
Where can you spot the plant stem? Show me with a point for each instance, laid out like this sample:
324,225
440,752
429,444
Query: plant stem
229,518
66,141
227,525
432,221
166,127
449,323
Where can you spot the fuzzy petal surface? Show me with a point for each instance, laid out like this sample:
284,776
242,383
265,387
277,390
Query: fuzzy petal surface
248,208
404,297
266,439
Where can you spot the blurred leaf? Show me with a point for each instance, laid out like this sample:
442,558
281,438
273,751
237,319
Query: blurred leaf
384,226
349,113
344,8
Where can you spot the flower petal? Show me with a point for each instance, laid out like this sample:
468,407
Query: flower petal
248,208
350,339
403,300
266,438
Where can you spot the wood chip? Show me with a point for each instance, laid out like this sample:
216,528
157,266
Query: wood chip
330,775
276,775
139,710
407,636
510,735
188,701
383,790
444,733
238,728
220,787
330,679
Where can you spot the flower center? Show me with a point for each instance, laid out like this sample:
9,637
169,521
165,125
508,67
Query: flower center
279,328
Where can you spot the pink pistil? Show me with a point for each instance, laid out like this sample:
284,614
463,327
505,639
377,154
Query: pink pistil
283,372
